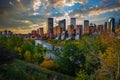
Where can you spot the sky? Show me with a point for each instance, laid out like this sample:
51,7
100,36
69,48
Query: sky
22,16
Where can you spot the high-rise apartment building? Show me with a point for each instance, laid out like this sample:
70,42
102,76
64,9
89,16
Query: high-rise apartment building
100,29
86,26
50,27
79,32
73,21
105,27
62,24
57,31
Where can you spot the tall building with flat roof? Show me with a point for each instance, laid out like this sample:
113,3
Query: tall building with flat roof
73,21
79,32
62,24
40,30
57,31
105,27
86,23
91,29
86,26
100,29
50,27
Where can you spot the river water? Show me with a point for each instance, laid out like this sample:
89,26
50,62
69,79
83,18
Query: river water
47,46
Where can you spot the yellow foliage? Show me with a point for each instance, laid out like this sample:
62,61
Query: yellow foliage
27,56
47,64
46,58
109,64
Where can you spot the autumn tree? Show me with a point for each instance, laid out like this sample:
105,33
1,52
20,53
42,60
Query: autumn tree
27,56
110,61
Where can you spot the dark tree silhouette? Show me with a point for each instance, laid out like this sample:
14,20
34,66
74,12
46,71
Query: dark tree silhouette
6,54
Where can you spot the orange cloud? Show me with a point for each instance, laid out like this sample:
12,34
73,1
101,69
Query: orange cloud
101,11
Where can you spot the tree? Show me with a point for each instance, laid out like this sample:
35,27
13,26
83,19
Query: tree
90,47
6,54
27,56
27,46
82,75
39,51
110,61
70,59
47,63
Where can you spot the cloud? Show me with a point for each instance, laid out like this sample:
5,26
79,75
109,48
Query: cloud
81,1
105,10
21,14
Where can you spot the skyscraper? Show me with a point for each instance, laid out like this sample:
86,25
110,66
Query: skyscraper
57,31
86,23
86,26
79,32
62,24
100,29
111,26
91,29
73,21
40,31
105,27
50,27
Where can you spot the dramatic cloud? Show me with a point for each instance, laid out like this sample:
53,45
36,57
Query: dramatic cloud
25,14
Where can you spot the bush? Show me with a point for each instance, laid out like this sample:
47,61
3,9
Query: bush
48,63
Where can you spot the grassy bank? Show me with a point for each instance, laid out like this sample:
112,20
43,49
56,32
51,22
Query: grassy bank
20,70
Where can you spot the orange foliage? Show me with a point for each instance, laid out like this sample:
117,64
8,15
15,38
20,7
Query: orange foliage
47,63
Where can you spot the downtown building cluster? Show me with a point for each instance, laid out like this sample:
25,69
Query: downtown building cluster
68,32
75,32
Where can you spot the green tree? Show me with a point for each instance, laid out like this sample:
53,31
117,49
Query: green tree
27,46
71,59
90,47
82,75
38,54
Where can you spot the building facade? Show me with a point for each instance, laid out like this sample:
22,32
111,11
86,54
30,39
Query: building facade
73,22
50,27
105,27
100,29
86,26
62,24
111,25
57,31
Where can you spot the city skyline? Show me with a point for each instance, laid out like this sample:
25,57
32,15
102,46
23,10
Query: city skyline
22,16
